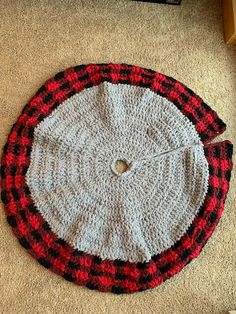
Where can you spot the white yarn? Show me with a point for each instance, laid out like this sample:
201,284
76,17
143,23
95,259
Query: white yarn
129,216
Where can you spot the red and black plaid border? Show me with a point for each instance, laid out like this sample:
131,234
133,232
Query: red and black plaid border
33,231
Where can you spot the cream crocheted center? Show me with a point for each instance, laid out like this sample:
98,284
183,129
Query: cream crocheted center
131,213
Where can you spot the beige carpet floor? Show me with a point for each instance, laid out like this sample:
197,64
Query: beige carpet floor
39,38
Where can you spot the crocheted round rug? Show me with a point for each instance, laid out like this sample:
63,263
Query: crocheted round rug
109,178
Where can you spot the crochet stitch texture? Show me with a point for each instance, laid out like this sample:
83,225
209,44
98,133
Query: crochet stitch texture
109,179
131,216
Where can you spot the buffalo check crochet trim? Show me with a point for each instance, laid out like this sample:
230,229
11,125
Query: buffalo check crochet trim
33,231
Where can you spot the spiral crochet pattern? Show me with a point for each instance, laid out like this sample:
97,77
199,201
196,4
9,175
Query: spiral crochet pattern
109,179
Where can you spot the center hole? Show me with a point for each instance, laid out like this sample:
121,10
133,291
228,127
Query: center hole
121,166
